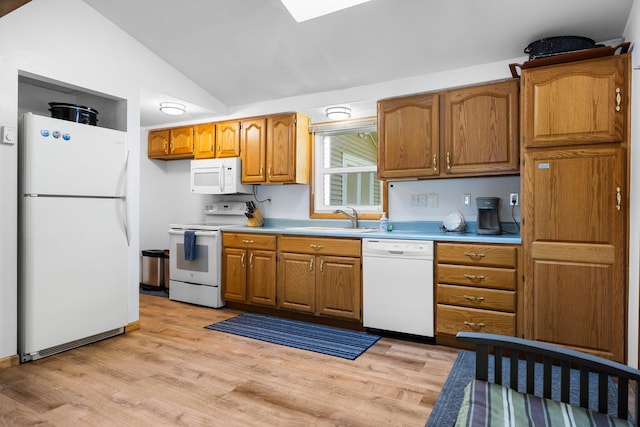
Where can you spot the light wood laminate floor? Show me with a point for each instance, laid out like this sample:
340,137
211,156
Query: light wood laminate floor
173,371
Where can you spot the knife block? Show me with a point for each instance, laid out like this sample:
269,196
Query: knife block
257,220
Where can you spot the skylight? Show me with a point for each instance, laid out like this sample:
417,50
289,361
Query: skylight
304,10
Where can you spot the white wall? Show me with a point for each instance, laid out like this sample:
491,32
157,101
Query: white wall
632,34
93,54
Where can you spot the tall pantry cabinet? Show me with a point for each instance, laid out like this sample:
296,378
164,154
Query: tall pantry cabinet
575,186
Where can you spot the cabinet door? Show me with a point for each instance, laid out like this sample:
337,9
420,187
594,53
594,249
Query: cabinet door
296,282
262,278
181,141
281,148
576,103
204,136
574,232
158,143
253,139
228,139
480,135
338,287
234,274
408,137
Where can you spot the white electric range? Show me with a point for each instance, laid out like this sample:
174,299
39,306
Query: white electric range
198,280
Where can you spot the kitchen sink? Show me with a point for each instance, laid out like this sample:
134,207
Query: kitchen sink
334,229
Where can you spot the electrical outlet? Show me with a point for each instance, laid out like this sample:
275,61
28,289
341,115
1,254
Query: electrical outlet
513,199
466,199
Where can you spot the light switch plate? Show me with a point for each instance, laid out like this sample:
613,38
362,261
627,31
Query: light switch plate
8,135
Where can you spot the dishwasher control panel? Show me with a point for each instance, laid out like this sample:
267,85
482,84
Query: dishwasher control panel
414,248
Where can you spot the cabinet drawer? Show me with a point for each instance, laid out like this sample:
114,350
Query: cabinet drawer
489,299
452,320
490,255
485,277
249,240
321,245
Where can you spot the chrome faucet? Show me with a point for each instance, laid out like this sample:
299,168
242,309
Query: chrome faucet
353,218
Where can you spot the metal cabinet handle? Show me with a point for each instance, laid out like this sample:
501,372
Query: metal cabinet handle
242,260
270,171
322,266
316,246
618,198
311,265
261,170
473,277
474,255
247,241
474,325
618,99
474,298
435,163
448,160
251,261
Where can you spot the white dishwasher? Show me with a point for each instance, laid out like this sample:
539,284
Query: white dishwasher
397,286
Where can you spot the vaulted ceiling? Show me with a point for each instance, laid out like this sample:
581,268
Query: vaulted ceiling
248,51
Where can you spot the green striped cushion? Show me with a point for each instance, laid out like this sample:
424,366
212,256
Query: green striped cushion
489,404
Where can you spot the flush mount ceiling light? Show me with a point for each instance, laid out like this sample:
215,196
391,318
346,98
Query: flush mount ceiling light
338,113
304,10
172,108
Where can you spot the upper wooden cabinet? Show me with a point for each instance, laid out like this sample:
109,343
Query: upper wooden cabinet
175,143
276,149
468,131
228,139
582,102
408,137
253,140
480,131
204,141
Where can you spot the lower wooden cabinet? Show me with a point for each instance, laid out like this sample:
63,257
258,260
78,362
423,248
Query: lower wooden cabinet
249,268
320,276
315,276
478,289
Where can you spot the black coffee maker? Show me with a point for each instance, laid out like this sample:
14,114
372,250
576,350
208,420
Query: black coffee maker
488,215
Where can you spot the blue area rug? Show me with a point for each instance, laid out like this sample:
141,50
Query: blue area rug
445,412
292,333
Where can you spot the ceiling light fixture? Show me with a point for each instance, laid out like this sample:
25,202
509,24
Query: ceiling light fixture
304,10
172,108
338,113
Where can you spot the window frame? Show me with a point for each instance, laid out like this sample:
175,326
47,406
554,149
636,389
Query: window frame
326,128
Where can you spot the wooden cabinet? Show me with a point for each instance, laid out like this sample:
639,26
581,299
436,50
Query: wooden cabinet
276,149
320,276
204,141
409,137
249,268
175,143
468,131
477,289
480,131
228,139
253,140
576,103
575,190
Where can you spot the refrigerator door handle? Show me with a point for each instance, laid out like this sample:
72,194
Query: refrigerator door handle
125,215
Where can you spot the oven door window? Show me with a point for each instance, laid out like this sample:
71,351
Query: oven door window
199,264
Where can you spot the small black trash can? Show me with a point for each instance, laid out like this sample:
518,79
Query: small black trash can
154,269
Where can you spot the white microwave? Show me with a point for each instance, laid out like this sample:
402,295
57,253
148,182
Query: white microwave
218,176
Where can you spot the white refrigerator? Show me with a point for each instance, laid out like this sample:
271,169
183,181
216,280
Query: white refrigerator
73,235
